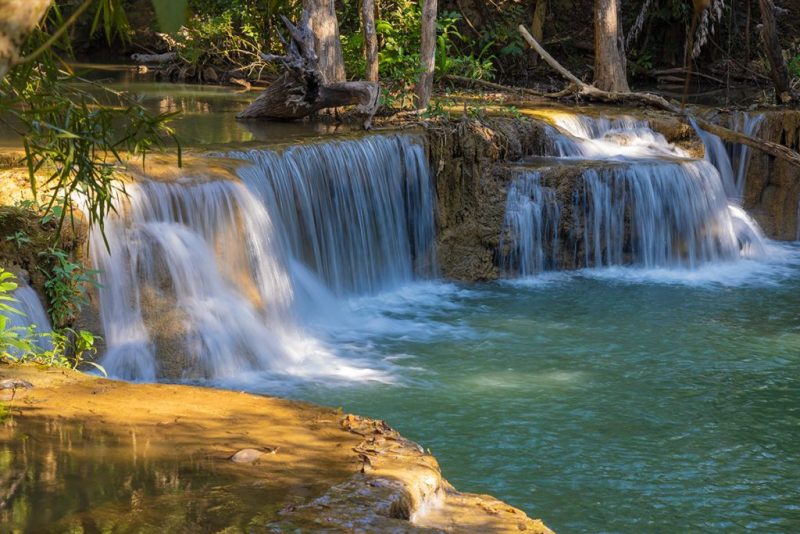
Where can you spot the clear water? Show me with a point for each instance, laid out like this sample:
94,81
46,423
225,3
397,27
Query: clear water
613,400
58,476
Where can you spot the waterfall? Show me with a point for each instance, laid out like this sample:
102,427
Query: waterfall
529,243
211,278
34,314
360,214
648,204
732,160
678,216
749,124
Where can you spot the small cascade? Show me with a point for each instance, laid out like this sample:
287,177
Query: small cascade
28,302
655,215
579,136
212,278
644,203
359,214
529,243
750,125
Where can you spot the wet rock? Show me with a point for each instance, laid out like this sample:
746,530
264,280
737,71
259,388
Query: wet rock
772,189
466,158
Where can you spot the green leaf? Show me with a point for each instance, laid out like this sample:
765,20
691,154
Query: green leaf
170,14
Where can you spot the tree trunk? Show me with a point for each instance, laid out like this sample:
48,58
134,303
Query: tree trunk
323,22
427,54
777,63
301,90
609,50
19,18
537,26
370,39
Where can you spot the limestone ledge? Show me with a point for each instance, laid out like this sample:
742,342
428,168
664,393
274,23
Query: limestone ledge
359,474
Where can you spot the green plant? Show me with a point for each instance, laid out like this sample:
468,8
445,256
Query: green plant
11,337
19,238
60,348
74,140
794,66
72,349
66,285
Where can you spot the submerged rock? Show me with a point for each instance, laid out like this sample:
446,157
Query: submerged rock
247,456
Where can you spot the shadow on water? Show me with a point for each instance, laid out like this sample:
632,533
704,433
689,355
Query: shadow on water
62,475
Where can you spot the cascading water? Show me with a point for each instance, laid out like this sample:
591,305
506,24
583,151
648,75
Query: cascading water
749,124
644,203
732,160
360,214
213,278
529,243
33,313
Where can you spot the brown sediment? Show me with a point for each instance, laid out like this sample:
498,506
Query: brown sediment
330,471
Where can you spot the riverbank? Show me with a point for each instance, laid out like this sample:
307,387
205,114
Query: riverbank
322,469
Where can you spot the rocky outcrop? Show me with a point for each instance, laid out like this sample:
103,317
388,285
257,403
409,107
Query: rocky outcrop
772,190
468,161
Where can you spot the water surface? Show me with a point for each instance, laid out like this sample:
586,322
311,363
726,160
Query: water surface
614,400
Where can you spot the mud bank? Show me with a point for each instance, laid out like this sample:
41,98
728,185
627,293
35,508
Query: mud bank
316,468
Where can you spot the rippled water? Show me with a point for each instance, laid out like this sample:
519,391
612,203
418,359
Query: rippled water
615,400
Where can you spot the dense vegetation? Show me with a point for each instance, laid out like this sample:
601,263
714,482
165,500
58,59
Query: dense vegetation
476,39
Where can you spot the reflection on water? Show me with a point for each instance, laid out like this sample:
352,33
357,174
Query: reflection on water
206,113
60,476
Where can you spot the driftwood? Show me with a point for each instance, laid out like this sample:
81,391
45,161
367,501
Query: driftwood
590,92
301,91
158,59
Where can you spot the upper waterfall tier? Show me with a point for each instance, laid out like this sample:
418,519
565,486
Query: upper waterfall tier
360,214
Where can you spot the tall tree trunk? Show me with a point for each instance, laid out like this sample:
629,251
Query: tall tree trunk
370,39
427,54
777,63
609,48
537,26
324,24
18,19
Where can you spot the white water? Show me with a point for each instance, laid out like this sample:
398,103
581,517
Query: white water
530,238
649,204
33,313
215,279
360,214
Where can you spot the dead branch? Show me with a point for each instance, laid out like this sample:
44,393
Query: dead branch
301,91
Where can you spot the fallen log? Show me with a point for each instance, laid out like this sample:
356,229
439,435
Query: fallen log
159,59
300,91
590,92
